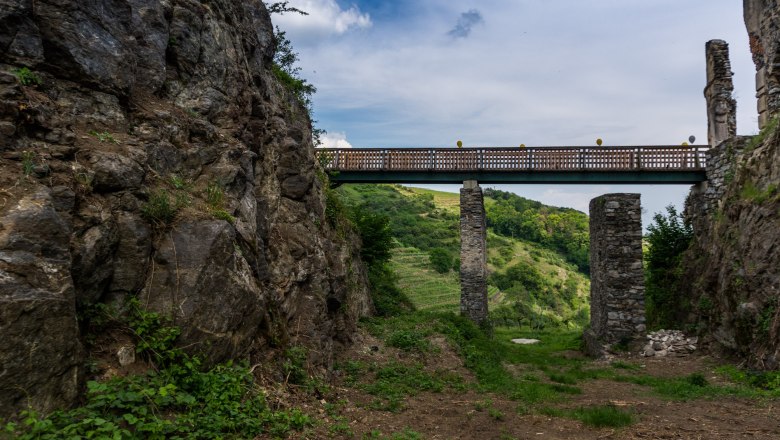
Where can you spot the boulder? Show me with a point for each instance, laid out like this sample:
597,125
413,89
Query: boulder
40,353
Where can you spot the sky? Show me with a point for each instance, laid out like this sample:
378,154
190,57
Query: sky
427,73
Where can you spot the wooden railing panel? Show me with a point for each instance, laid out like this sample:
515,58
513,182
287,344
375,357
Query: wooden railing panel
531,159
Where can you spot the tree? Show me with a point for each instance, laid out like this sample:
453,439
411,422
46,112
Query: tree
667,238
374,230
441,260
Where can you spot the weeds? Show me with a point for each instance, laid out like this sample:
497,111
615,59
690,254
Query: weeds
751,193
392,382
215,199
177,400
28,162
294,365
84,181
768,130
180,183
602,416
27,77
160,210
104,136
409,340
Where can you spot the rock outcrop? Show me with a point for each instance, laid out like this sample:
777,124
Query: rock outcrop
148,151
732,266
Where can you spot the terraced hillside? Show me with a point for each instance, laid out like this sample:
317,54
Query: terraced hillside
532,283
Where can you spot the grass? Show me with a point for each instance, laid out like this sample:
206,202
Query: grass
161,208
28,162
601,416
104,136
535,376
391,383
753,194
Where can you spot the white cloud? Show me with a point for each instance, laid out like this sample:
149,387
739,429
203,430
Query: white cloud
577,199
541,73
335,140
326,18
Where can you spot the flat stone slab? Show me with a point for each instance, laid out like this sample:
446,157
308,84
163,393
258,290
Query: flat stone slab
524,341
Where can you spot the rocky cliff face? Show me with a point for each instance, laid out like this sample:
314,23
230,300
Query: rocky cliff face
731,269
147,151
732,266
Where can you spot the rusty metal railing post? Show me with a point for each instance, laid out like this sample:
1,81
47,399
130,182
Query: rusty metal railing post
639,158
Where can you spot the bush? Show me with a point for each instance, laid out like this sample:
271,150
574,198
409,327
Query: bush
27,77
374,231
441,260
388,299
176,399
667,238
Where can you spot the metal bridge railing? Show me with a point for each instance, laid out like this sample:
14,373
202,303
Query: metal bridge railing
579,159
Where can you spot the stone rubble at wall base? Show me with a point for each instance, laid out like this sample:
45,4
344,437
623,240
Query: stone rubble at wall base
669,343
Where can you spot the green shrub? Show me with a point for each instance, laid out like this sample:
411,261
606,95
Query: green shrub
667,238
388,299
408,340
176,399
27,77
441,260
160,209
294,365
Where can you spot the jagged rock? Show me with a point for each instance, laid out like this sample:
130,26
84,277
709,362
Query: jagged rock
126,355
39,347
93,263
131,258
202,281
114,172
185,88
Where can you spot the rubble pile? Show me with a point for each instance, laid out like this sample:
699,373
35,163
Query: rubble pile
669,343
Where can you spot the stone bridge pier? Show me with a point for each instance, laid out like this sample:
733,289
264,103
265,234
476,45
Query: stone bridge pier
617,283
473,253
617,295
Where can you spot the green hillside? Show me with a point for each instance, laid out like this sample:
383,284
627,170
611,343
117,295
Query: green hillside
531,283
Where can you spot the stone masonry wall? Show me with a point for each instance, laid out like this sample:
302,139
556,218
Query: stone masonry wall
721,106
473,253
706,197
762,19
617,304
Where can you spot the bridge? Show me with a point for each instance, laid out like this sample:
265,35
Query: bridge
669,164
617,277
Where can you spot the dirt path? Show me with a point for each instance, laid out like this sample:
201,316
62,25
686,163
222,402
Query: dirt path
348,411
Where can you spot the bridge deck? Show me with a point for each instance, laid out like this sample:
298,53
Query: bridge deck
634,164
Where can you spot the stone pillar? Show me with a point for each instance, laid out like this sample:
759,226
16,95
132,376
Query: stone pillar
473,253
721,106
617,284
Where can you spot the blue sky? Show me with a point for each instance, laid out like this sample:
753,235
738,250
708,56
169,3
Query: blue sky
500,73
